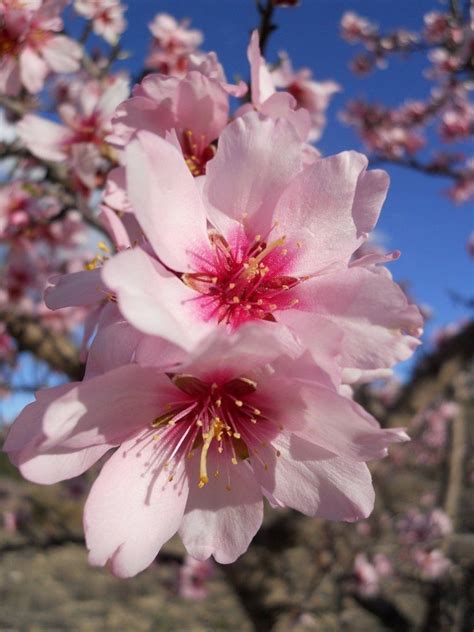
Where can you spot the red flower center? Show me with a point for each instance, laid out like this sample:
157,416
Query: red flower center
245,281
218,417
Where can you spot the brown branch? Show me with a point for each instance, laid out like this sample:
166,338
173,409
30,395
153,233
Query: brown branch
266,26
416,165
55,349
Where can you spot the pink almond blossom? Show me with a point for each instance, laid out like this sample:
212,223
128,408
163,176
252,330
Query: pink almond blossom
195,108
193,576
106,15
279,248
30,47
264,97
200,443
24,210
80,139
313,96
173,43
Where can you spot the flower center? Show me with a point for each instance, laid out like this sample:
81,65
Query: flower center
244,282
222,419
196,152
8,45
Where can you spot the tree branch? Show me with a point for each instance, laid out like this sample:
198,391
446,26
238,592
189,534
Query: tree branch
55,349
266,26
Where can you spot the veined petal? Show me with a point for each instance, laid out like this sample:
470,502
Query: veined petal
166,201
133,508
222,518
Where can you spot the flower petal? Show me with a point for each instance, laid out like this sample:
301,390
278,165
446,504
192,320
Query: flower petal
133,509
380,325
166,200
256,159
154,300
330,207
220,521
305,478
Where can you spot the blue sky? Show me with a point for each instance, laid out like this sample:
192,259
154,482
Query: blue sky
417,218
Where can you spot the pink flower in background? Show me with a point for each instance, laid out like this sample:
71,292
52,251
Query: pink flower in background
433,564
193,576
313,96
355,28
279,249
30,47
463,189
266,100
173,43
23,205
80,140
418,527
369,573
436,26
106,15
201,441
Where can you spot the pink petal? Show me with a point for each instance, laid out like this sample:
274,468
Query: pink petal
256,160
253,345
105,409
344,428
154,300
323,339
62,54
115,194
23,445
261,80
166,200
378,322
307,479
43,138
47,468
133,509
219,521
33,70
75,289
330,207
112,347
115,228
10,83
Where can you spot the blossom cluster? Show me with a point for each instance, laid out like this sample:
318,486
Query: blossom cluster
229,312
398,134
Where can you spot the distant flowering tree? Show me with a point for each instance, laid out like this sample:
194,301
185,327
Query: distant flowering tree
402,135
